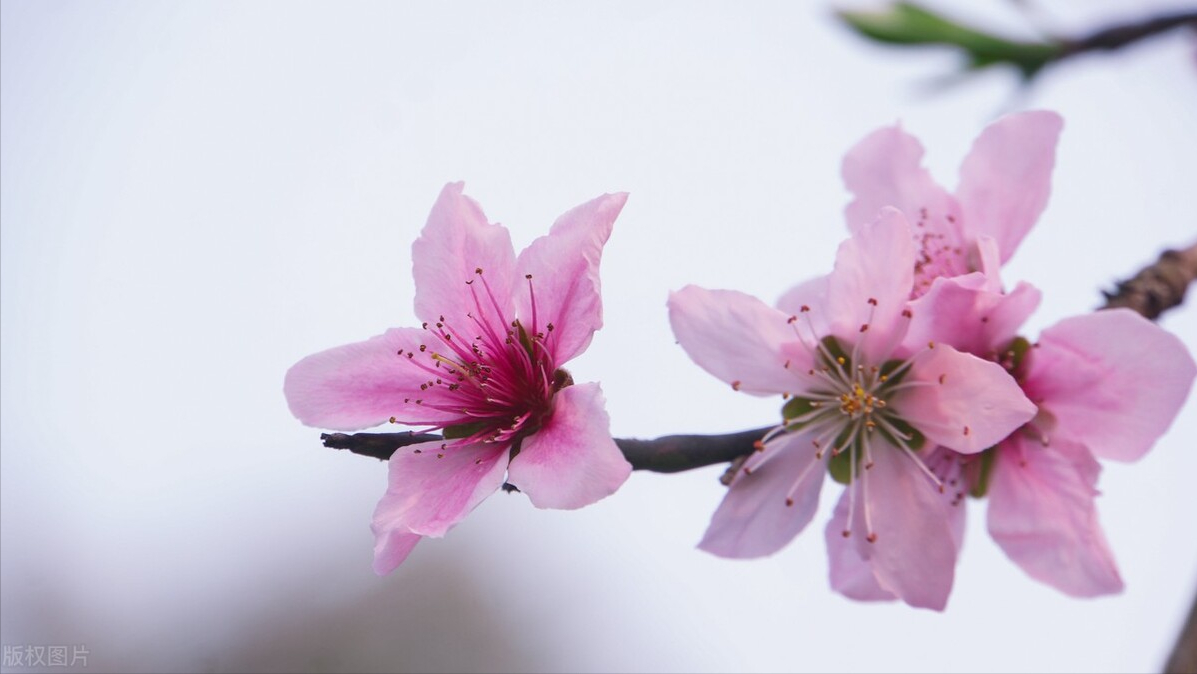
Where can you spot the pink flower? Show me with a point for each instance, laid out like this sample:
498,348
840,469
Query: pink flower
1107,384
1004,185
485,368
864,402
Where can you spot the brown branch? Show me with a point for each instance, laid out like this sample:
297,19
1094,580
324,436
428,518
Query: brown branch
908,24
668,454
1117,37
1159,287
1184,655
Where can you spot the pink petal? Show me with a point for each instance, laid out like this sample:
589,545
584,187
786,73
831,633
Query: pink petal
851,575
885,169
457,241
431,489
1005,180
962,313
737,338
361,385
871,282
966,404
1111,379
812,295
1041,513
564,265
914,555
753,520
572,460
391,548
989,260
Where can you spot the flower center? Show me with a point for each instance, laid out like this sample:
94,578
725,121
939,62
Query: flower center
846,407
938,255
491,380
846,403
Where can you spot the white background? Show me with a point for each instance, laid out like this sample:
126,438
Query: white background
197,195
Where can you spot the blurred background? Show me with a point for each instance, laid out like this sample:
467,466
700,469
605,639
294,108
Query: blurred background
196,195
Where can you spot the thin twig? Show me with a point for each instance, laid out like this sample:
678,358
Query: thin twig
1117,37
668,454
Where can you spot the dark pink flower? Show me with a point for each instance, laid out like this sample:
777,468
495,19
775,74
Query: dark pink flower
485,368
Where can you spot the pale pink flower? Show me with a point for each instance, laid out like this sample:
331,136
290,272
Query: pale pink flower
485,368
864,402
1107,384
1004,185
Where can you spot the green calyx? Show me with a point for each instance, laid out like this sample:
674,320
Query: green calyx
984,473
1013,357
464,430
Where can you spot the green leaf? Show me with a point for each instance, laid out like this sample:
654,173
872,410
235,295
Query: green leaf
907,24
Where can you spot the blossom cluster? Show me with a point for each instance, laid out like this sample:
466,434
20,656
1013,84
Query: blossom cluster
905,379
902,376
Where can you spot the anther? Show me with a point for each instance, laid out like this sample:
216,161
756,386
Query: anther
736,385
872,537
789,502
